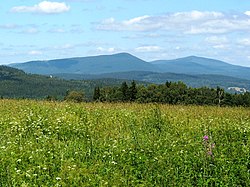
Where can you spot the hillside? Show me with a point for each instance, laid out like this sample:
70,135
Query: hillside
15,83
84,65
198,65
159,78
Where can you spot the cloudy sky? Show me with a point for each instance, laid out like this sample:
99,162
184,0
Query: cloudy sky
149,29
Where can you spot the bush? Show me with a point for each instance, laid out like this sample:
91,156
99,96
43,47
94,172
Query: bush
75,96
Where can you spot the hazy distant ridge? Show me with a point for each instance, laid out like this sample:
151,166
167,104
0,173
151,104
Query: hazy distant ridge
124,62
88,65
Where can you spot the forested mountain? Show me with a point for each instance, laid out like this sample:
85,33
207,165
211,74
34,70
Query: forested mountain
16,83
198,65
112,69
85,65
124,62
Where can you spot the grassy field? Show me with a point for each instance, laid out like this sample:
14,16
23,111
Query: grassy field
96,144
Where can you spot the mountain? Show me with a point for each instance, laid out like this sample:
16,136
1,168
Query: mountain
84,65
198,65
124,62
192,70
160,78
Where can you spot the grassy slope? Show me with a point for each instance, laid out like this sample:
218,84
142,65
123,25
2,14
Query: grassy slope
50,144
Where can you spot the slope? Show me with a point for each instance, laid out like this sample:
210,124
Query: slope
15,83
199,65
94,64
159,78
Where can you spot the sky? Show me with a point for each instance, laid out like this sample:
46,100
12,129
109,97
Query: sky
148,29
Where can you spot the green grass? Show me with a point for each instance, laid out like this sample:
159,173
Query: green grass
96,144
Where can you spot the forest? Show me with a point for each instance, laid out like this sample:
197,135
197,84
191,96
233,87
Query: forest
17,84
170,93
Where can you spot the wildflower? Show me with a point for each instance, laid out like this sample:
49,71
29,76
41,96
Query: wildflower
205,138
58,178
210,153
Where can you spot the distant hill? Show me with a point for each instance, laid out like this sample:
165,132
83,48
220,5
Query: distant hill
159,78
84,65
198,65
16,83
192,70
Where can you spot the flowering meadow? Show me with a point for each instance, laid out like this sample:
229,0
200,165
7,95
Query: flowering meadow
102,144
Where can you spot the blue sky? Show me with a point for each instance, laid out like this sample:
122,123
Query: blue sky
149,29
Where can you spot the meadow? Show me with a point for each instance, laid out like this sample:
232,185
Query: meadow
122,144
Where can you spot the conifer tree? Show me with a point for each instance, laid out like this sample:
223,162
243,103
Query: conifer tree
124,90
97,94
132,91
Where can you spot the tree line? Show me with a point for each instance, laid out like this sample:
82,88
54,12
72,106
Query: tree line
170,93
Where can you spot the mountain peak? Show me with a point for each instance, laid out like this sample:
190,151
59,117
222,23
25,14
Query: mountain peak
125,55
192,57
122,54
119,62
195,58
203,61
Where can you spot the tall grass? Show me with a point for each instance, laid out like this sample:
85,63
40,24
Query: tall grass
96,144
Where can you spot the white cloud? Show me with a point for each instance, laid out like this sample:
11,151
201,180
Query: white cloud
76,29
194,22
136,20
220,46
57,30
247,13
31,31
148,49
177,48
9,26
106,50
65,46
245,42
45,7
218,42
135,24
35,52
216,39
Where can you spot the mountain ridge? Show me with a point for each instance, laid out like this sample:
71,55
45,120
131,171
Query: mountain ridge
201,65
94,64
124,62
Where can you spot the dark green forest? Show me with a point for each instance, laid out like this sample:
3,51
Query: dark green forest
170,93
16,84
